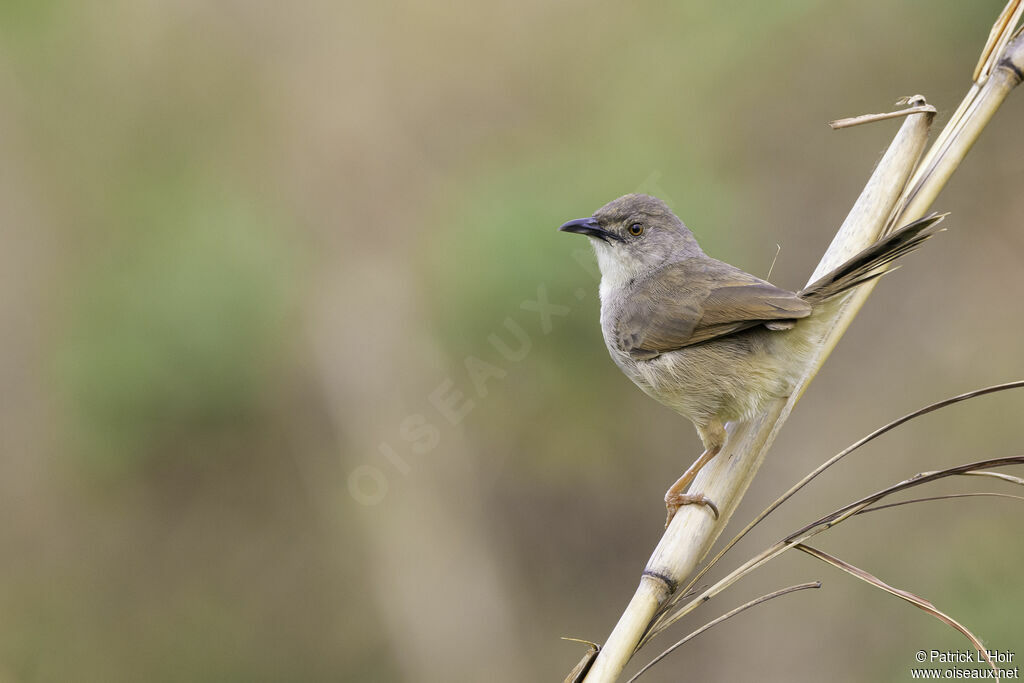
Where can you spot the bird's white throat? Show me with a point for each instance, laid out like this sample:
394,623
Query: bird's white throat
618,268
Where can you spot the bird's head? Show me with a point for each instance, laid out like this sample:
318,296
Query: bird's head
634,235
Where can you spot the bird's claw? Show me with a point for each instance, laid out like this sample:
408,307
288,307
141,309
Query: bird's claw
674,501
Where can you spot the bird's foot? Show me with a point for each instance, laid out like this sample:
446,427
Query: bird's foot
674,501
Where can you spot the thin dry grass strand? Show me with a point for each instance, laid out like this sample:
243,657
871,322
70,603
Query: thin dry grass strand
915,600
846,511
997,475
948,496
579,672
872,118
778,250
728,615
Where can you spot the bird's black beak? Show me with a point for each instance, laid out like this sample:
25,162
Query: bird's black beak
590,228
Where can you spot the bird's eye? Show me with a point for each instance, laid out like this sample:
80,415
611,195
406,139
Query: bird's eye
636,230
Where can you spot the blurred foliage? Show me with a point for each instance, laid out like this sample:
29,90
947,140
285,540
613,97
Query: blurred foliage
181,321
246,243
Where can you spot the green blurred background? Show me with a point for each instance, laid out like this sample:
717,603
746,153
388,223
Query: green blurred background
253,250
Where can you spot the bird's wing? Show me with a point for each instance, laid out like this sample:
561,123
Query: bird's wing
696,300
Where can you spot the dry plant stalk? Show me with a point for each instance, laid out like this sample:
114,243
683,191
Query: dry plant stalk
890,199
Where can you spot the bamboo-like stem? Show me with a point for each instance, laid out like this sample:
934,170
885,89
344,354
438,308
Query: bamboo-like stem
961,132
882,205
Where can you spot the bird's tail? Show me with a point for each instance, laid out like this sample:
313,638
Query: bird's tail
874,261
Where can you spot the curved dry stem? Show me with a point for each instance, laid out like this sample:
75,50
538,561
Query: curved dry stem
916,600
837,516
948,496
998,475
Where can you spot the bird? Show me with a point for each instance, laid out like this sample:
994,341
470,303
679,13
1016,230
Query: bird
705,338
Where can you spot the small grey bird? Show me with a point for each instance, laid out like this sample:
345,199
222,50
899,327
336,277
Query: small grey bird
700,336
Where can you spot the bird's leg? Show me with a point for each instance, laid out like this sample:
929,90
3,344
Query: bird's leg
675,497
713,437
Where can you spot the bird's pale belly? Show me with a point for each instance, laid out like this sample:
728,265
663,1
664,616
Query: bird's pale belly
727,379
